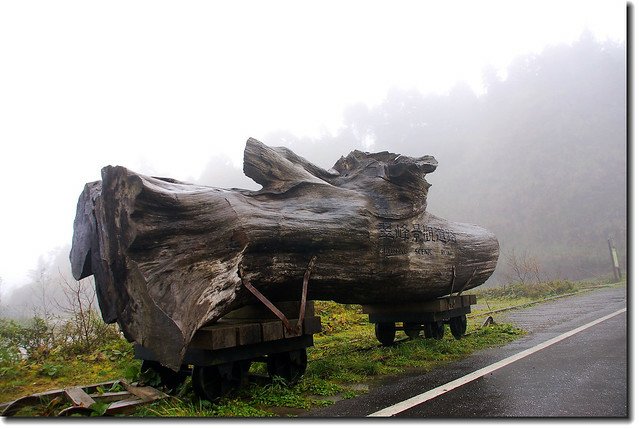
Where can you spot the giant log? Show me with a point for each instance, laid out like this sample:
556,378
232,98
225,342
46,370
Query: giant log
169,257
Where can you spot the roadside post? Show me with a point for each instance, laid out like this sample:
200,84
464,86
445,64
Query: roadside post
616,271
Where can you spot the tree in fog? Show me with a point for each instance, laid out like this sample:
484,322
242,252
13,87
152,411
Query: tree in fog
40,287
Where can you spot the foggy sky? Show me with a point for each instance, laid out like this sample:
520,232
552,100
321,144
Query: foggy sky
175,89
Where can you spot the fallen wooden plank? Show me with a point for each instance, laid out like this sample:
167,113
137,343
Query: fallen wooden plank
106,385
144,392
124,401
111,396
126,406
79,397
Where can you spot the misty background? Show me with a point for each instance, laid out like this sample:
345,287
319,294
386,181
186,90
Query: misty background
538,156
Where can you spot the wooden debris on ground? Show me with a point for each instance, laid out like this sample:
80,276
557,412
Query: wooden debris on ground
121,397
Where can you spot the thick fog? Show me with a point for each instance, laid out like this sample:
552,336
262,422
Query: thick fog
539,158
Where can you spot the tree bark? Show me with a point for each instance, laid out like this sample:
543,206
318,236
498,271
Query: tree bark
166,255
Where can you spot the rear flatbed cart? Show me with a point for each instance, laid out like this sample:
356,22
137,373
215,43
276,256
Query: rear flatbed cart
413,318
220,355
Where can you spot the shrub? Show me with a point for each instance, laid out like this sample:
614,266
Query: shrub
86,333
37,337
529,290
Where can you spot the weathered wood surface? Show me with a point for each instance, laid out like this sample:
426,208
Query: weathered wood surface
166,255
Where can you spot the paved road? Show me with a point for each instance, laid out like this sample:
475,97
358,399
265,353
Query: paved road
583,375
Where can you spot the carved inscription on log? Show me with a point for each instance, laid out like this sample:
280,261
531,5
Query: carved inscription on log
396,238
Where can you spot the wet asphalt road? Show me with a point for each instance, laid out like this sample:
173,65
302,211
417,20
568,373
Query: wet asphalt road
584,375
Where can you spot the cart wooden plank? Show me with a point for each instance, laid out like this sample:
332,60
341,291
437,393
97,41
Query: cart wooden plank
249,333
312,325
272,331
243,332
438,305
215,337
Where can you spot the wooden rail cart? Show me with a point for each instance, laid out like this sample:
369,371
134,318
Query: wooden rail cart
413,318
220,355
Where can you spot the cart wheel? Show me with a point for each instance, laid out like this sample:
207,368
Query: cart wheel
434,330
385,333
412,330
428,330
288,365
168,378
213,382
458,326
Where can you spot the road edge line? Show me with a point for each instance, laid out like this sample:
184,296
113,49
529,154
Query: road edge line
437,391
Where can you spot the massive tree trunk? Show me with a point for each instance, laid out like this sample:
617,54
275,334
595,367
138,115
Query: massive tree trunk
167,255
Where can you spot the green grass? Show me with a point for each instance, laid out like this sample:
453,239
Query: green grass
518,294
530,291
55,371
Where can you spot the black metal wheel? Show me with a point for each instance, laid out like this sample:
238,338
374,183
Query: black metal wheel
434,330
290,366
385,333
213,382
168,378
412,329
458,326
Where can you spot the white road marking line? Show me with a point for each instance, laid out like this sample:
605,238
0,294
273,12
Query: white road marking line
433,393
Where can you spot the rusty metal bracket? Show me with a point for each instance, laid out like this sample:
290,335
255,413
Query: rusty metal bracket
291,330
452,287
489,321
467,283
307,276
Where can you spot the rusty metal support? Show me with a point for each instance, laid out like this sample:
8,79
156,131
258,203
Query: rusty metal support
307,276
291,330
452,287
467,283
